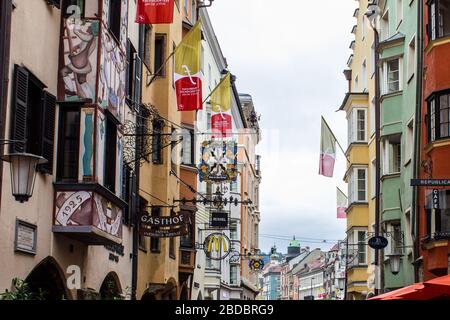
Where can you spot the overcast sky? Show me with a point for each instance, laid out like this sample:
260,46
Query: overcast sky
289,55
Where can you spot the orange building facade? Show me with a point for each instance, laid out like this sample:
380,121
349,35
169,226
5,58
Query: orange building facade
434,202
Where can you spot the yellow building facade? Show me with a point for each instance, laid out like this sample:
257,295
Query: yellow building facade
359,105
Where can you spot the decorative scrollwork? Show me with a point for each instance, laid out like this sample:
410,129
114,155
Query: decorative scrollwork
150,133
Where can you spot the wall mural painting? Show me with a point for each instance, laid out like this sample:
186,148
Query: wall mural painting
113,65
87,144
79,71
85,208
112,76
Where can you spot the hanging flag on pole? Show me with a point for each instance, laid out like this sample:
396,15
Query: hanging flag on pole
221,121
154,11
342,202
327,150
188,81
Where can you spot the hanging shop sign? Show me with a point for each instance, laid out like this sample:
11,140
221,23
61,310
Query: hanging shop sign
164,232
217,246
221,125
218,162
171,221
155,11
218,219
164,227
430,182
235,257
378,242
256,264
436,200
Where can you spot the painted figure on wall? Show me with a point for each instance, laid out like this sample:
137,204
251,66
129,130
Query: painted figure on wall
79,72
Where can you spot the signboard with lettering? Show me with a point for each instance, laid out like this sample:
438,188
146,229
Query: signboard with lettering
218,219
25,239
436,203
430,182
378,242
164,227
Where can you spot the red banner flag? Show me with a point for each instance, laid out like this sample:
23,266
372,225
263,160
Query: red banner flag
188,79
221,125
154,11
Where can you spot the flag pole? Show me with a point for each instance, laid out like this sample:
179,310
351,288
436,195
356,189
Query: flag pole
211,93
342,192
337,141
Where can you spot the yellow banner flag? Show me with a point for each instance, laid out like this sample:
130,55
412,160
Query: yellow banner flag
221,96
188,80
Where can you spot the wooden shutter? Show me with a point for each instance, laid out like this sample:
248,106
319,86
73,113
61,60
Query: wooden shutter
19,109
48,131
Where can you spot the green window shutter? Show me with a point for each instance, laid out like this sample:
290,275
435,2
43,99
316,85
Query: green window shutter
48,131
19,109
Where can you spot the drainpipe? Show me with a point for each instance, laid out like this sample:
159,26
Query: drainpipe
5,26
378,264
415,213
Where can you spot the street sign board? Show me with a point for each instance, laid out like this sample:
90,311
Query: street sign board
378,242
436,202
219,219
430,182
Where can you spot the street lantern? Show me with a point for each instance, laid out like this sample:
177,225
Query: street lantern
394,262
341,283
23,174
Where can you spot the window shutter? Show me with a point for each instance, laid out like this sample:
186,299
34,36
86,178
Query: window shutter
48,131
137,82
20,106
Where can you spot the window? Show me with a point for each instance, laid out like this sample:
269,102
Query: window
187,151
373,172
155,245
146,43
399,11
187,241
392,76
396,239
438,19
362,254
411,58
408,230
233,275
233,232
438,118
385,26
363,29
158,127
409,143
357,126
357,185
127,193
172,248
160,51
110,154
391,154
372,117
33,117
234,186
143,205
372,59
134,76
364,76
69,131
208,121
438,220
115,12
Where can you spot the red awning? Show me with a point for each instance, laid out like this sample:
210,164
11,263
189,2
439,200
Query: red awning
438,288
